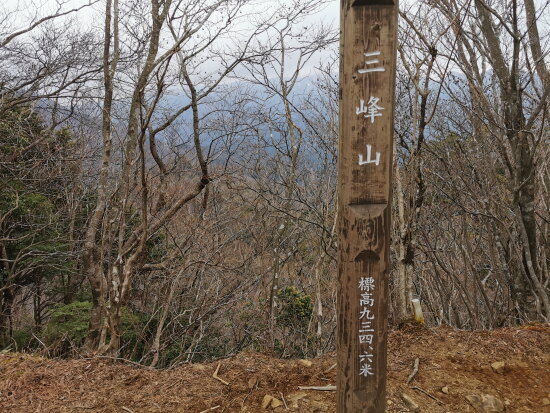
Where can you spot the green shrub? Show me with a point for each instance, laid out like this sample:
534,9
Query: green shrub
68,322
21,339
296,307
68,326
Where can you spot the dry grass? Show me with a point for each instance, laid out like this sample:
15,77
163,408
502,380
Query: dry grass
457,359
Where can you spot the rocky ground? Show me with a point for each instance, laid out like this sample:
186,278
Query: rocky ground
459,371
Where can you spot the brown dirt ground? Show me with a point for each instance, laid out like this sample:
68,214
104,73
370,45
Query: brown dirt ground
459,360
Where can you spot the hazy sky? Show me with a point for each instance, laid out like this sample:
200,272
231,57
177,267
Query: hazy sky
21,12
27,9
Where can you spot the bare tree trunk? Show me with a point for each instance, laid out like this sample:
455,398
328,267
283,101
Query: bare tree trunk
6,322
404,270
319,271
92,266
155,347
272,306
419,71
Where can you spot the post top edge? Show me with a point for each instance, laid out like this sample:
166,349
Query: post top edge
358,3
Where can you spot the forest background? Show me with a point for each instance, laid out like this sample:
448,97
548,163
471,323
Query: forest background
168,174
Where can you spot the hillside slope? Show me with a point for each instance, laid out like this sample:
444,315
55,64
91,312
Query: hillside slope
454,365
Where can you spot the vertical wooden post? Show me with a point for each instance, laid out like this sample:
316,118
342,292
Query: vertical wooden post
367,82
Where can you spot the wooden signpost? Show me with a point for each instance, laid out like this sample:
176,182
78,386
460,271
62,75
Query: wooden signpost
367,82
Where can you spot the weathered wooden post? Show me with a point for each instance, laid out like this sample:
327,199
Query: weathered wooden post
368,33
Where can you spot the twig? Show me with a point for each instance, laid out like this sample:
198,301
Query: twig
116,359
126,409
331,368
209,410
174,383
415,370
45,346
427,394
319,388
284,401
411,404
248,394
215,375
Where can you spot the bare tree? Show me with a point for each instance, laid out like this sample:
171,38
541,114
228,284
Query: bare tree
513,114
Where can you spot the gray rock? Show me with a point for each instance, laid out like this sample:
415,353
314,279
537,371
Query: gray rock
486,403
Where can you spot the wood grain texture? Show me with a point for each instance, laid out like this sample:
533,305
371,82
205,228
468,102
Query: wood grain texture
364,200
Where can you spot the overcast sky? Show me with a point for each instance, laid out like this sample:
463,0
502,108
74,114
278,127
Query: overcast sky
21,12
28,9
